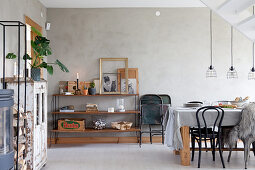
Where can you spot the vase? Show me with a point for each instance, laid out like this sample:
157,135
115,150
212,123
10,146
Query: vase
92,91
36,74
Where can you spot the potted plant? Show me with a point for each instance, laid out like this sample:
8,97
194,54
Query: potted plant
41,49
85,91
92,89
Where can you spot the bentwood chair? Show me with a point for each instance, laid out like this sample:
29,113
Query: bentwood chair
151,115
216,115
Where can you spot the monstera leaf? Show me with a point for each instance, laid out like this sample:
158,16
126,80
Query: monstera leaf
62,66
50,69
27,57
41,49
11,56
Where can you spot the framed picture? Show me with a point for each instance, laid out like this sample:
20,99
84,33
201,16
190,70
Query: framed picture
110,83
133,82
97,85
109,77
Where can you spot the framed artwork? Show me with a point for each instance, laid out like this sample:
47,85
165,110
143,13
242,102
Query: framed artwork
109,77
97,85
133,81
110,83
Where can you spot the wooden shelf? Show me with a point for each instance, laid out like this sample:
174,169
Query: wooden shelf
96,131
98,95
99,112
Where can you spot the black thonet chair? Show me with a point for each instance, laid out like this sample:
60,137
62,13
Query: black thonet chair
205,133
151,115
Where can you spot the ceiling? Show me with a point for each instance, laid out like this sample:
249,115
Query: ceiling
120,3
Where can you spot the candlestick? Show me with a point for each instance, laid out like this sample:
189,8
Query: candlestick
77,84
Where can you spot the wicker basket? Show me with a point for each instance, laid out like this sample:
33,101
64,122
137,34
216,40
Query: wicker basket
121,125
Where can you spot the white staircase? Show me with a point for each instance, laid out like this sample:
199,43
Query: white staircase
237,13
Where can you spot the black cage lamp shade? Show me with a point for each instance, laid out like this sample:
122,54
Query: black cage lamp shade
232,73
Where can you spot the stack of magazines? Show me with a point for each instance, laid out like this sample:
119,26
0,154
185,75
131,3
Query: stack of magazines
67,109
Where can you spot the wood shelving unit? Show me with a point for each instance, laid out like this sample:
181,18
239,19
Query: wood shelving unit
99,112
97,131
56,113
96,95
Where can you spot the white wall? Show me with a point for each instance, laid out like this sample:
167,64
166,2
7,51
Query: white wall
171,51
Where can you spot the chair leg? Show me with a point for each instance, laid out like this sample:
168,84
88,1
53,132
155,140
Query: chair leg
163,137
211,141
221,157
150,134
229,155
253,148
199,154
247,144
205,145
213,147
246,153
140,139
193,147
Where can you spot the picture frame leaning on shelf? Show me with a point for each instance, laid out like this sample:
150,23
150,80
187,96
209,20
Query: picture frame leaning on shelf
110,66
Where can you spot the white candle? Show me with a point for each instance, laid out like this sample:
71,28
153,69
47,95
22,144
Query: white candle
15,69
77,75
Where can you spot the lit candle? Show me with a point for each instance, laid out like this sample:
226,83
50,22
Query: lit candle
77,75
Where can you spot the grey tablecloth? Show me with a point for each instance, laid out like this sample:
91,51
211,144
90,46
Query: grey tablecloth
179,117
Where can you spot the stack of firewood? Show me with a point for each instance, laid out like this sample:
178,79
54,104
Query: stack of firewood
22,138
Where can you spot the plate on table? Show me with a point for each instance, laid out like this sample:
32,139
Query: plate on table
192,105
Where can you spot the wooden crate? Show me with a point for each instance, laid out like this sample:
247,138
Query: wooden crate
71,124
72,84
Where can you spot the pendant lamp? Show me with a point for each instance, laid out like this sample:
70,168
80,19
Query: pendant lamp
211,72
232,74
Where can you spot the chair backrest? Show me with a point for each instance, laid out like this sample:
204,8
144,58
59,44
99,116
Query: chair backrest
165,98
150,99
151,109
217,121
196,102
247,122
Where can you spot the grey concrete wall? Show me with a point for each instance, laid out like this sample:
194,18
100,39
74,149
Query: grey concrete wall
171,51
16,10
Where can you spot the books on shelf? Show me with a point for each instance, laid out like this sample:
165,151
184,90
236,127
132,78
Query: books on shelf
67,109
91,108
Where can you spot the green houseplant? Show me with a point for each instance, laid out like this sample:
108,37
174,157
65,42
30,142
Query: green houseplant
92,89
41,49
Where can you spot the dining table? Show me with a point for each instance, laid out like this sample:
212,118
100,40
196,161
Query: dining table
178,121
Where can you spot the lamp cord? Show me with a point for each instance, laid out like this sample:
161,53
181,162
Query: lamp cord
232,63
253,43
211,37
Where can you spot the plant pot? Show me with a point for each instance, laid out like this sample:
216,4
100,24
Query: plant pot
36,74
85,92
92,91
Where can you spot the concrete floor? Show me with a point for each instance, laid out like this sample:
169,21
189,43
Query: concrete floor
131,157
